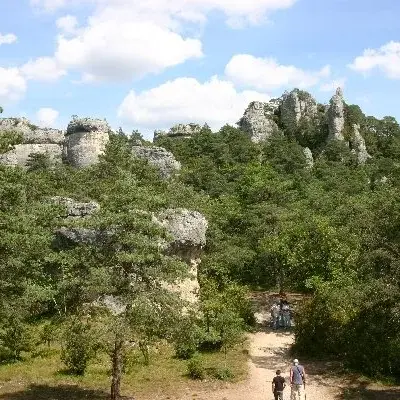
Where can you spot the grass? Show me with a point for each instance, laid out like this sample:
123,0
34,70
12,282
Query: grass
44,375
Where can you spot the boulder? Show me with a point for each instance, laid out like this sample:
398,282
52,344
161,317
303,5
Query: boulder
335,116
21,153
70,237
85,140
75,209
257,121
30,133
158,157
297,106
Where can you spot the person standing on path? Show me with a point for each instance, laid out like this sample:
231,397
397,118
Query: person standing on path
278,384
297,381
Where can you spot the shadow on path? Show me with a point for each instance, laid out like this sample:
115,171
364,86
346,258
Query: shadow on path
363,392
61,392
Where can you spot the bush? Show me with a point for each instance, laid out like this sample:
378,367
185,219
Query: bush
78,346
196,369
187,338
223,374
15,338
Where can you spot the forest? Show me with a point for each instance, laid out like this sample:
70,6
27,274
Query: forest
329,229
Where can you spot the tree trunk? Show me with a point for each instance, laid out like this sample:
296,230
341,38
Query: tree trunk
116,369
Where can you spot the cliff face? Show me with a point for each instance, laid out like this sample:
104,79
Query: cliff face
85,140
296,106
257,121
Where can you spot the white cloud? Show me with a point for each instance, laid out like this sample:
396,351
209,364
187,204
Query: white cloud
121,49
12,85
386,59
267,73
47,117
332,85
45,69
7,38
127,39
67,24
185,100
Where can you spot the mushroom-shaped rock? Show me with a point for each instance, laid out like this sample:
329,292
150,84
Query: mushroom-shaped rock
85,140
159,158
257,121
358,144
31,133
296,106
309,157
21,154
336,116
179,131
188,230
75,209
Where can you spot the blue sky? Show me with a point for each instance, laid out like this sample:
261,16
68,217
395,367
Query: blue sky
148,64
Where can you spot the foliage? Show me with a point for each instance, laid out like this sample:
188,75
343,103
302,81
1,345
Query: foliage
78,347
196,368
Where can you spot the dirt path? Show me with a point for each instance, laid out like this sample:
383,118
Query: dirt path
268,352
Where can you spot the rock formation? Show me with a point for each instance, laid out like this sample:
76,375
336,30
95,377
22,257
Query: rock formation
34,140
20,155
257,121
296,106
188,230
309,157
335,116
31,133
358,144
75,209
85,140
179,131
158,157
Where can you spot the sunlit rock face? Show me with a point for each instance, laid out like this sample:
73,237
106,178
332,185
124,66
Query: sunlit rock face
160,158
257,121
85,141
297,106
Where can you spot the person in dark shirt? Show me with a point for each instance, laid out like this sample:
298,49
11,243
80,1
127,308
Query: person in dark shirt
278,384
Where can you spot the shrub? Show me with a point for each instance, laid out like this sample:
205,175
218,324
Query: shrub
15,338
223,374
196,369
78,346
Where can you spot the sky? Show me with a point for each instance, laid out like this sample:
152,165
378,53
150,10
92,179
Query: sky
150,64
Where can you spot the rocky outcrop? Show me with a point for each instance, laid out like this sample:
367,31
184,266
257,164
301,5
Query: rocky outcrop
335,116
159,158
75,209
297,106
309,157
358,144
179,131
257,121
21,153
70,237
85,140
31,133
188,230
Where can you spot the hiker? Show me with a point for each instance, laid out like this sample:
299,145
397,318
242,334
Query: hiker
297,381
286,314
278,384
275,315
